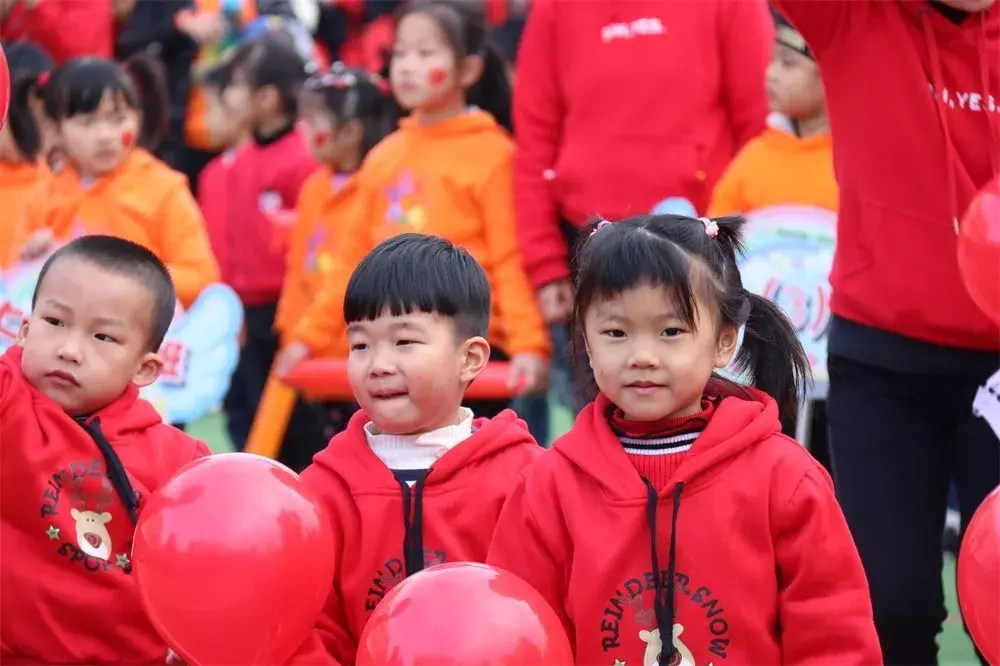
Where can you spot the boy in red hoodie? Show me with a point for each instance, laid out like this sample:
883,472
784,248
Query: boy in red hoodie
912,89
79,454
416,479
674,523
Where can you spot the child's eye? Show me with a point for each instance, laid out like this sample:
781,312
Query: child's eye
105,338
403,343
52,320
672,332
614,333
359,346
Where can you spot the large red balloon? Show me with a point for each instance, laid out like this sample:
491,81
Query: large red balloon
979,249
4,87
234,560
979,577
463,614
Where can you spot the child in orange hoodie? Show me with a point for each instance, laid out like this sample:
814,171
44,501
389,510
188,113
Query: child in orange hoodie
344,114
791,162
446,171
22,144
80,455
675,506
417,308
105,113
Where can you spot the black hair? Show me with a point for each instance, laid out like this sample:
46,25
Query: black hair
464,26
353,94
78,85
129,259
675,251
270,60
27,62
420,273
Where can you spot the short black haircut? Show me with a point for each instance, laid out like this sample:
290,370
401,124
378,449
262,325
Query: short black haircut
420,273
129,259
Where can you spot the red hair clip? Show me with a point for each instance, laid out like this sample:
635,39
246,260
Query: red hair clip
43,78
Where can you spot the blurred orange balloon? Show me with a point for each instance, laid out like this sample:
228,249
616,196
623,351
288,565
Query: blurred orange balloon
979,577
4,87
463,614
234,560
979,249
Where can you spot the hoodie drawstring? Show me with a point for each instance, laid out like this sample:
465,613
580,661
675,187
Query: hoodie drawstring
413,535
664,622
113,464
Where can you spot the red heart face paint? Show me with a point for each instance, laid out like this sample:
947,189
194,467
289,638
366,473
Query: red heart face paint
320,139
128,138
437,76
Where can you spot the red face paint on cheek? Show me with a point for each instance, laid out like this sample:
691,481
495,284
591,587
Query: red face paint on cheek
437,76
128,139
320,138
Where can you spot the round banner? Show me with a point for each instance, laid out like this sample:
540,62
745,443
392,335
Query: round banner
789,254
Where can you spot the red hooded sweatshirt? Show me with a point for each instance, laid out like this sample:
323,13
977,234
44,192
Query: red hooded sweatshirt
621,103
764,570
387,530
70,493
913,104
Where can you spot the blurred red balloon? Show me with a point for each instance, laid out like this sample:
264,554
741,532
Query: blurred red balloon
4,87
234,560
463,614
979,577
979,249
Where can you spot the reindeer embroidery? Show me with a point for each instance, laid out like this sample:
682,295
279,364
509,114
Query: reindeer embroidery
91,534
650,635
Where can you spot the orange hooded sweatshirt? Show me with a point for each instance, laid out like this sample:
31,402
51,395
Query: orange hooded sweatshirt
323,204
16,180
451,179
143,201
778,168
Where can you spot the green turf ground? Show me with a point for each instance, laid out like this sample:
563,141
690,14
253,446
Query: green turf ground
956,649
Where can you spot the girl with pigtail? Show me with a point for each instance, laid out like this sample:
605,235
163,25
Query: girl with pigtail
674,523
106,117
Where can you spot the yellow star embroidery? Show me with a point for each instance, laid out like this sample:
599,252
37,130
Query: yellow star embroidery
121,560
52,532
619,662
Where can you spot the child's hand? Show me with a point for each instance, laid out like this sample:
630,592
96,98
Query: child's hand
202,27
38,244
528,373
555,300
172,658
293,354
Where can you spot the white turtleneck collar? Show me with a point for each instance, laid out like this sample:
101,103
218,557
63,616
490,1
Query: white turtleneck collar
410,452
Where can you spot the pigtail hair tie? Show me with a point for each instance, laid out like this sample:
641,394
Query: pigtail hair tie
711,226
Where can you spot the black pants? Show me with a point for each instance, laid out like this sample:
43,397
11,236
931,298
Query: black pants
897,442
251,372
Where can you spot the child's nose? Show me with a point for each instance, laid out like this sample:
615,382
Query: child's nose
69,350
643,357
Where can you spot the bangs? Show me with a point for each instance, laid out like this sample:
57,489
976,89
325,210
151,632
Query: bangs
619,258
407,282
84,84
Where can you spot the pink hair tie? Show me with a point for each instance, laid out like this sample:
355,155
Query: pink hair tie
711,227
600,225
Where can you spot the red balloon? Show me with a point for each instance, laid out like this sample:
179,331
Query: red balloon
234,560
979,577
4,87
463,614
979,249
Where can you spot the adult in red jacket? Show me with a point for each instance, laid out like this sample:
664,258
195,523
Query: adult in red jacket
912,89
619,104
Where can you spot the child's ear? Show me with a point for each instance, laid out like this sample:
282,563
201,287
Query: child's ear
470,71
475,356
726,345
22,332
150,367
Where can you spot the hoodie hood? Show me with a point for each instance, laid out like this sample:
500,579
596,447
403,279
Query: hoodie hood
350,457
743,418
473,121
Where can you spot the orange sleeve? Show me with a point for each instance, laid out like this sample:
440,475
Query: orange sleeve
519,315
31,219
183,244
323,321
305,220
729,197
